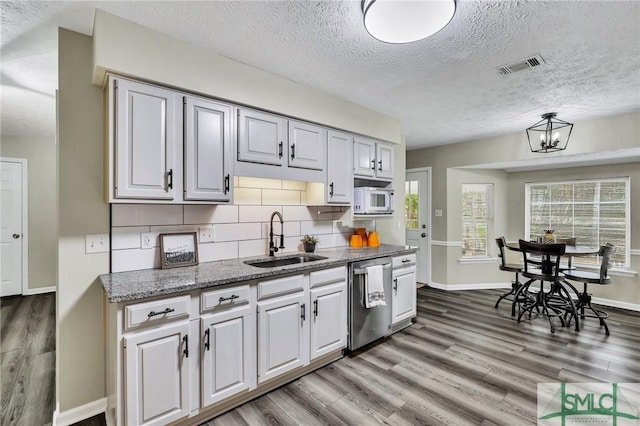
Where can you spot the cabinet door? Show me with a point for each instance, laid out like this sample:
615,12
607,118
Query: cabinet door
283,335
262,137
339,183
328,319
364,157
145,141
157,375
404,294
307,145
229,357
384,161
207,156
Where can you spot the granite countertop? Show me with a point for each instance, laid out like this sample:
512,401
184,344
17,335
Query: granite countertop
133,285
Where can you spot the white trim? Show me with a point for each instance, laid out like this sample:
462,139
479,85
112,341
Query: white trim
446,243
80,413
25,218
634,252
490,286
615,272
40,290
477,259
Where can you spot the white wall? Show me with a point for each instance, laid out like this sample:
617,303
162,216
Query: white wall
42,206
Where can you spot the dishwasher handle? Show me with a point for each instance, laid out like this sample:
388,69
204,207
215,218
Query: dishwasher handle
362,271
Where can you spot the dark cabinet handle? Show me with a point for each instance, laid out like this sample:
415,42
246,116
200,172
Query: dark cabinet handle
315,308
406,260
373,164
185,351
303,312
280,150
395,284
207,337
331,189
233,296
166,311
226,184
170,179
380,165
293,151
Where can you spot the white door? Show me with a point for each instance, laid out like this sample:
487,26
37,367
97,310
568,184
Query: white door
328,319
229,356
307,145
283,335
339,185
384,161
364,157
418,219
146,140
12,228
208,153
157,374
262,137
404,294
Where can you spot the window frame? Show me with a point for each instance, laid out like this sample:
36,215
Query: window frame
576,260
489,191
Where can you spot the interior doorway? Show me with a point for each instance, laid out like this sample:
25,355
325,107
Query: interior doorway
418,219
13,225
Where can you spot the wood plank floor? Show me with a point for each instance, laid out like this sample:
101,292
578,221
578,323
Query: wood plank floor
462,363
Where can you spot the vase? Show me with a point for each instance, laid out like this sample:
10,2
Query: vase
548,237
309,247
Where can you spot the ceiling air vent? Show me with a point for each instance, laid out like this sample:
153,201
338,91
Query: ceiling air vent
524,64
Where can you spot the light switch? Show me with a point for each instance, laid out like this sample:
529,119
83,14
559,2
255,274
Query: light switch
438,213
96,243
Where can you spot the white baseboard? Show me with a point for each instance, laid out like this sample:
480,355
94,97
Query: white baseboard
535,288
40,290
80,413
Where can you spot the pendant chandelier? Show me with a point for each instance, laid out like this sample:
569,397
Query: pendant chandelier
550,134
404,21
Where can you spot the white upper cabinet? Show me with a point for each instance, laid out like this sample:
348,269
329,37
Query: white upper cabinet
207,150
307,145
384,161
262,137
145,140
372,159
339,184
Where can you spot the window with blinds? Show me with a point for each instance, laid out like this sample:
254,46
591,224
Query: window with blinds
595,212
476,213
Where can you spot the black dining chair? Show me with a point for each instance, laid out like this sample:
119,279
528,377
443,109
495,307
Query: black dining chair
586,277
565,266
542,263
509,267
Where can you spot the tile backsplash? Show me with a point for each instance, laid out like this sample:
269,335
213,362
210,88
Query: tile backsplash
239,230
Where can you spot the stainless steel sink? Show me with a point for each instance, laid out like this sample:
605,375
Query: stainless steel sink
283,261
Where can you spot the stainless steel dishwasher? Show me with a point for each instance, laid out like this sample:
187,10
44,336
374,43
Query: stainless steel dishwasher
368,324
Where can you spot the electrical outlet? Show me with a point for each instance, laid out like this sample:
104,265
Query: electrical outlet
206,235
147,240
96,243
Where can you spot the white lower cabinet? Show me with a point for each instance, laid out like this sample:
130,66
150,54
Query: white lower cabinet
404,288
329,319
283,335
228,353
157,374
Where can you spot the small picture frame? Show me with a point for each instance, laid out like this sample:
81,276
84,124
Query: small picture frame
178,249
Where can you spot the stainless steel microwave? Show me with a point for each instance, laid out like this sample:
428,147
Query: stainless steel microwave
369,200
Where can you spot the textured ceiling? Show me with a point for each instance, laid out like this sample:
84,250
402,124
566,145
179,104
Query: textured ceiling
444,89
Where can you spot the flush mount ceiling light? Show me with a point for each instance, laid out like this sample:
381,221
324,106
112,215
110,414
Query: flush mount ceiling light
550,134
404,21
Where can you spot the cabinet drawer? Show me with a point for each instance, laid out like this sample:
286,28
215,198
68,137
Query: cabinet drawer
406,260
327,276
224,298
156,312
280,286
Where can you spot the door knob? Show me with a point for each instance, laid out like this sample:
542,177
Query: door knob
423,235
16,236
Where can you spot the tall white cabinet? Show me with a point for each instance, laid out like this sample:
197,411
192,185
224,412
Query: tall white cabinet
339,183
144,125
207,150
